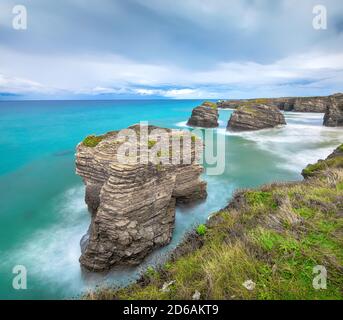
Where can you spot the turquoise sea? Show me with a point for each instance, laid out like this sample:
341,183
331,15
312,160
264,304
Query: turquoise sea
42,210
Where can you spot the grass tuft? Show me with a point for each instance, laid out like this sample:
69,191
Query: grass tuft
92,141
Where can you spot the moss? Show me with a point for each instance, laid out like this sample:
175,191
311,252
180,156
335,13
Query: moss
194,138
340,148
92,141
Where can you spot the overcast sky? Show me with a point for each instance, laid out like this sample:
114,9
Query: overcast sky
170,49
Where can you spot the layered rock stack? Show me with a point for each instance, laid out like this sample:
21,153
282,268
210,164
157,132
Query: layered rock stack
204,116
334,113
296,104
310,104
255,117
132,201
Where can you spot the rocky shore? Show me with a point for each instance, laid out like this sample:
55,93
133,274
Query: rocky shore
255,117
132,204
204,116
266,244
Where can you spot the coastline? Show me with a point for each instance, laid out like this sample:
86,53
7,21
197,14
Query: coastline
272,236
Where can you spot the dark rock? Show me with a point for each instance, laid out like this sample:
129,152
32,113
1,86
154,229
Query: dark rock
204,116
334,113
248,117
311,104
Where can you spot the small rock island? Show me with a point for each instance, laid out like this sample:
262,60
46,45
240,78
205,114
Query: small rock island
204,116
132,204
251,117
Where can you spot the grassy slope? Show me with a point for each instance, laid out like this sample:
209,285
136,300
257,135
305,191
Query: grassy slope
273,236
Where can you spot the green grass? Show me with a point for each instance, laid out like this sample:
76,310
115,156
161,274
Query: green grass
92,141
201,230
260,199
313,169
210,104
273,236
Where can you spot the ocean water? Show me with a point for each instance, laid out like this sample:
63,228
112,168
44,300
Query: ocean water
42,211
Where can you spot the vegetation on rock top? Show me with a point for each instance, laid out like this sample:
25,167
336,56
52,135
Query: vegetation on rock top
210,104
92,141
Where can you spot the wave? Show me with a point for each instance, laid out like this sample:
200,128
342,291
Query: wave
296,144
182,124
51,255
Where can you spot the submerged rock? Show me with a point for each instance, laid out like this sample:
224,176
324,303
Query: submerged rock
132,204
204,116
334,113
255,117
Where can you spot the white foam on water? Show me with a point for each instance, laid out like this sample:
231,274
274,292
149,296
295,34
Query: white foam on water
303,140
51,256
182,124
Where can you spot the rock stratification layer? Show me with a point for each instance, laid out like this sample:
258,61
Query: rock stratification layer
334,113
255,117
132,202
204,116
296,104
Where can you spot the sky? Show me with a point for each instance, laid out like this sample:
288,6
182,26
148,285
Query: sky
170,49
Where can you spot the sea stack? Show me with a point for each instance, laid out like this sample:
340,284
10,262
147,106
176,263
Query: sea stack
132,202
334,113
255,117
204,116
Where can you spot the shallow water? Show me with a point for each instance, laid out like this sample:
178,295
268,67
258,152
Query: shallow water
42,211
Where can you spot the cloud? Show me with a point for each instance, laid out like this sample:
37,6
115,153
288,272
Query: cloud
21,86
172,49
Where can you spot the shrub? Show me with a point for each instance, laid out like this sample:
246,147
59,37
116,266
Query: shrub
201,230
